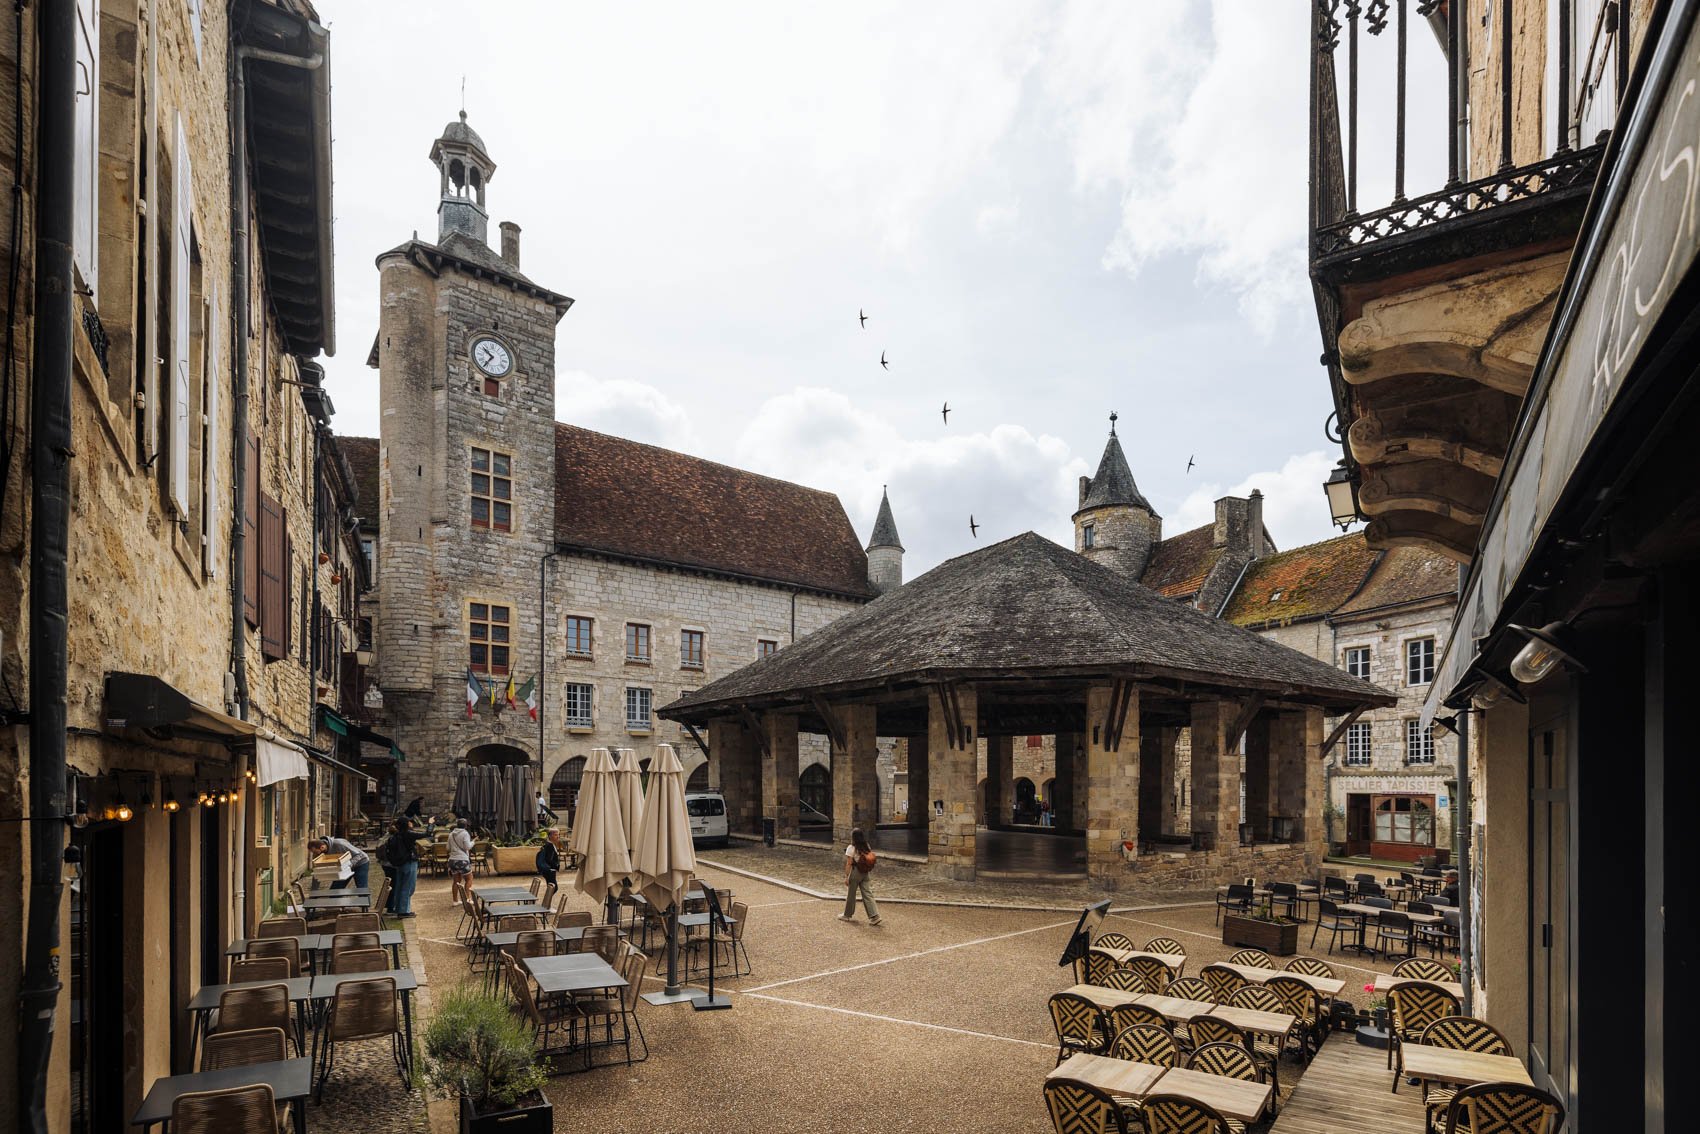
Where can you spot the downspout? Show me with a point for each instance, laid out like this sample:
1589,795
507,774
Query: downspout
793,620
544,625
1461,837
50,483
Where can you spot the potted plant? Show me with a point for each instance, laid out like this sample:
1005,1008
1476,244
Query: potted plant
1260,929
478,1050
1372,1025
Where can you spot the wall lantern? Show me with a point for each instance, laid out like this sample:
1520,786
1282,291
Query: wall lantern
1341,488
1543,651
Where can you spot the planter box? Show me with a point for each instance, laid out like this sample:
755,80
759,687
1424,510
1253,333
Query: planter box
1278,939
528,1116
514,860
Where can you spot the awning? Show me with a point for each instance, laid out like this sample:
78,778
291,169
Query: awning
1637,245
342,726
334,764
143,701
274,761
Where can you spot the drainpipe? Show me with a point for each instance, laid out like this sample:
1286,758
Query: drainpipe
793,617
543,627
1461,839
50,483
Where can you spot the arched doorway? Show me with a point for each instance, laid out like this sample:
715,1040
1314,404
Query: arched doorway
814,788
563,788
1048,808
497,754
1026,801
698,780
496,789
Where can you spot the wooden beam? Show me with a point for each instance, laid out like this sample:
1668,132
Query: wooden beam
1121,696
697,736
1253,705
754,725
955,731
834,726
1340,729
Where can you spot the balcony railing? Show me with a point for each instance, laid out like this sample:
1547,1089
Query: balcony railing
1384,133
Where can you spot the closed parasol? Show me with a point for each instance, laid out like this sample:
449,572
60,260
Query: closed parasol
629,777
599,836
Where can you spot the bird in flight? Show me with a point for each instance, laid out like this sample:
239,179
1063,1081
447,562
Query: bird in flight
1189,464
883,361
946,413
863,316
973,528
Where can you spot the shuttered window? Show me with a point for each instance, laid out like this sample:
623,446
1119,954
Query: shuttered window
85,184
212,440
177,375
251,534
274,580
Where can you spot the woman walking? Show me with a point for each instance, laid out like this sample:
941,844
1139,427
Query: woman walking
858,864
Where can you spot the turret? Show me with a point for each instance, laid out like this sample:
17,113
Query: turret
885,551
464,169
1114,524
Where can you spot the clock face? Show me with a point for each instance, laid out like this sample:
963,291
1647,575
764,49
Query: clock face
492,357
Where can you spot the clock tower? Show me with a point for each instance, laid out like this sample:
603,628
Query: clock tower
465,354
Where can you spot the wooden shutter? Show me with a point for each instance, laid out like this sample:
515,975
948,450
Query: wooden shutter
178,377
286,571
251,529
85,181
274,598
214,439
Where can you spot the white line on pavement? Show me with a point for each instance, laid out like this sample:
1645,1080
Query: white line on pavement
897,1020
912,956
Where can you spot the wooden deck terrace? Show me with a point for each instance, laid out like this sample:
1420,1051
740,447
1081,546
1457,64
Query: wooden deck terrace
1346,1088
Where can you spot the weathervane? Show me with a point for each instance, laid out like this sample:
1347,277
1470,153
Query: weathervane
1112,423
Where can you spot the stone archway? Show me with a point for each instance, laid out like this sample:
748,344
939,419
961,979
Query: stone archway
498,752
1026,801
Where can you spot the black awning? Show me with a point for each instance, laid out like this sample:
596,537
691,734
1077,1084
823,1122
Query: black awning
143,701
342,726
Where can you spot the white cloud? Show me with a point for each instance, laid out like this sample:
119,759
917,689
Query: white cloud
1294,509
994,219
624,408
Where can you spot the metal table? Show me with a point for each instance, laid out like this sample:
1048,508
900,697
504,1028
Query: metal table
572,972
291,1080
206,1001
311,943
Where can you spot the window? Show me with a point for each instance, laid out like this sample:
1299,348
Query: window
492,490
1404,819
766,647
1419,661
275,555
1357,745
489,629
576,706
85,185
180,375
702,808
690,649
369,551
1357,662
637,642
1419,743
492,387
637,709
1035,742
1088,536
578,636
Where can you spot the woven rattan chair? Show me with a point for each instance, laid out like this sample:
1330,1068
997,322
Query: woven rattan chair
1301,1000
1459,1033
1081,1108
244,1048
360,1010
536,886
258,968
237,1110
471,923
1154,972
518,923
1124,979
1079,1025
1222,982
381,896
532,943
281,927
1113,940
359,923
344,941
568,919
1266,1049
1238,899
1226,1059
1166,945
372,960
619,1011
737,952
1411,1008
1147,1043
1329,917
1124,1016
1497,1108
1310,966
1099,965
1177,1114
1213,1029
1190,988
546,1020
1256,958
286,947
1424,968
603,940
240,1009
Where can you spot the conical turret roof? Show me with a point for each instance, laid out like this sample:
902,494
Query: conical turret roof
1114,482
885,528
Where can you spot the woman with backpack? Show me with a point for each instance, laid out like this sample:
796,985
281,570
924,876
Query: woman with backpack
858,864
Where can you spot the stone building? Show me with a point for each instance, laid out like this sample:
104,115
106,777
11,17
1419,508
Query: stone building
511,547
186,481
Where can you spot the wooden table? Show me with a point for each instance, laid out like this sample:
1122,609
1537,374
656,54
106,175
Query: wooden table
1327,986
1175,1008
1377,911
1106,998
1445,1065
1386,982
1121,1077
291,1080
1234,1098
1175,961
1256,1021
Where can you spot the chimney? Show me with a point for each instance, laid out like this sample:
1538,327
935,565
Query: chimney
1085,487
1254,520
510,242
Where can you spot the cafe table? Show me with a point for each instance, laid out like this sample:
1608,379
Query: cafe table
205,1001
1386,982
1327,986
311,943
1176,1008
1123,1078
325,985
1254,1020
564,935
498,895
334,900
1106,998
1238,1099
572,972
1447,1065
1176,961
291,1081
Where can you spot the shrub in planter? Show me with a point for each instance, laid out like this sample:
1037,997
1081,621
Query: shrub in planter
1277,936
477,1049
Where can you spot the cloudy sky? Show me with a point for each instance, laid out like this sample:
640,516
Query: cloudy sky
1048,210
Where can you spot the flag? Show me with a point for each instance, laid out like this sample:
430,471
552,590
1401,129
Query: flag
473,691
529,696
509,692
493,688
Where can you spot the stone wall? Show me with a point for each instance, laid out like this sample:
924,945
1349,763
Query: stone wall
1122,537
1194,871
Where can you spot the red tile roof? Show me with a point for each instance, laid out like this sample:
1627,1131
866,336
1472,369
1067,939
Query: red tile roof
640,501
1180,563
1406,574
1306,582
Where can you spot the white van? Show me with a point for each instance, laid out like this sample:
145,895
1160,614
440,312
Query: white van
707,810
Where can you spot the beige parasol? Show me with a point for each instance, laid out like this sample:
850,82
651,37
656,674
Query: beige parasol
598,833
664,858
629,777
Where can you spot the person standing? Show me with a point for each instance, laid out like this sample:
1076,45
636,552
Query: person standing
549,861
358,861
545,813
858,864
460,862
404,857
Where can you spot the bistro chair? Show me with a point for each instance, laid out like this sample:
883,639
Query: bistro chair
1311,966
240,1009
1147,1043
1222,982
1079,1025
1113,940
244,1048
1081,1108
532,943
1237,899
1393,928
569,919
1124,1016
1168,946
1370,889
282,927
1329,917
1256,958
1498,1108
471,920
1359,881
1378,901
620,1009
258,968
536,886
1154,972
1230,1062
1458,1033
360,1010
1284,897
286,947
734,943
439,858
235,1110
1124,979
1099,965
381,897
1445,936
1190,988
546,1019
603,940
1301,1000
372,960
1214,1029
1411,1008
1177,1114
1266,1048
359,923
1424,968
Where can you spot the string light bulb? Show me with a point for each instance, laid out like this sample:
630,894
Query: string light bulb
170,803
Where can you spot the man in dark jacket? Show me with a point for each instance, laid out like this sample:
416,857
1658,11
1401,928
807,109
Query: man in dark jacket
549,860
404,860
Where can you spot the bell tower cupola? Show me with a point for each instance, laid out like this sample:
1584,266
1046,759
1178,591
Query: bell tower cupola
464,170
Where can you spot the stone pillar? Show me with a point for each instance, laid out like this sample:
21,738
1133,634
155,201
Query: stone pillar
1152,786
779,772
1000,781
1112,784
1065,790
1215,775
734,753
1299,771
920,803
855,778
950,842
1261,777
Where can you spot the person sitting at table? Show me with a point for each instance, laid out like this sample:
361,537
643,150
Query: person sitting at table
358,860
549,861
1450,890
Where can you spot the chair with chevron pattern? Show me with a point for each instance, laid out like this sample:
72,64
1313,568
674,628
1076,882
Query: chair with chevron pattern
1459,1033
1154,972
1411,1008
1503,1108
1098,966
1266,1049
1079,1024
1112,940
1300,1000
1167,946
1124,979
1176,1114
1424,968
1147,1043
1256,958
1124,1016
1222,981
1081,1108
1228,1060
